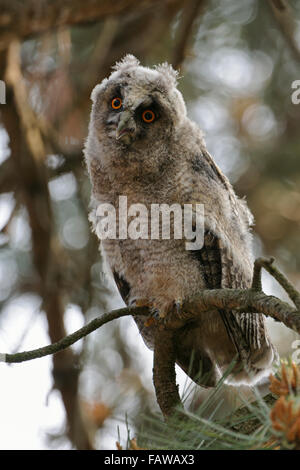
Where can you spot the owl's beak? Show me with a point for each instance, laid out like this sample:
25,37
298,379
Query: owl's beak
126,127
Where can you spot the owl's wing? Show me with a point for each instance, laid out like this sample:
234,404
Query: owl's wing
124,290
123,286
220,268
219,337
245,330
225,262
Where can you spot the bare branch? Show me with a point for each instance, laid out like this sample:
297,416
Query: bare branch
248,300
280,278
164,376
67,341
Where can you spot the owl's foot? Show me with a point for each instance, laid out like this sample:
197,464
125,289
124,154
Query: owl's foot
170,308
154,312
150,322
169,314
142,303
176,309
178,303
154,318
173,315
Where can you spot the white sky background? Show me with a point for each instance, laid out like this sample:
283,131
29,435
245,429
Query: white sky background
27,411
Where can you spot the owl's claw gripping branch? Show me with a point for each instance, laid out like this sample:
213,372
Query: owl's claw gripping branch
178,306
151,321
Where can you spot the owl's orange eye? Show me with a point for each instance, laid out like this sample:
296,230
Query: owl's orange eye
148,116
116,103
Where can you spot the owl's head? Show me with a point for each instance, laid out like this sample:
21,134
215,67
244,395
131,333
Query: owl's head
136,105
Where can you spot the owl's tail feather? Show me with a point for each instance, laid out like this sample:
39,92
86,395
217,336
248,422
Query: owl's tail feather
203,371
254,359
206,359
258,367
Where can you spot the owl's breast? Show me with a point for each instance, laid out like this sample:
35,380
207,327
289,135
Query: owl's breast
161,271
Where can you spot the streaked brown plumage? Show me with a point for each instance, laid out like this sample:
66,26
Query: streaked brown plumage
166,161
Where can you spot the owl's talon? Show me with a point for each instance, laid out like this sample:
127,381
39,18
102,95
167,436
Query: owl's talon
155,313
139,303
150,322
178,306
174,316
153,319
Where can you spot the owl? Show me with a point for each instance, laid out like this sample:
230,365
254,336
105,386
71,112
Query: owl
142,145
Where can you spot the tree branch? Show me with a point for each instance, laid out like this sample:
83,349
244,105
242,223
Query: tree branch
164,376
22,20
67,341
248,300
280,278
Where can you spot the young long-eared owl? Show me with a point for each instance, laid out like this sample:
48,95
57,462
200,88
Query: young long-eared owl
142,145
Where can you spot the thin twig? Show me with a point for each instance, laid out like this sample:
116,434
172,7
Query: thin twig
67,341
280,278
256,281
